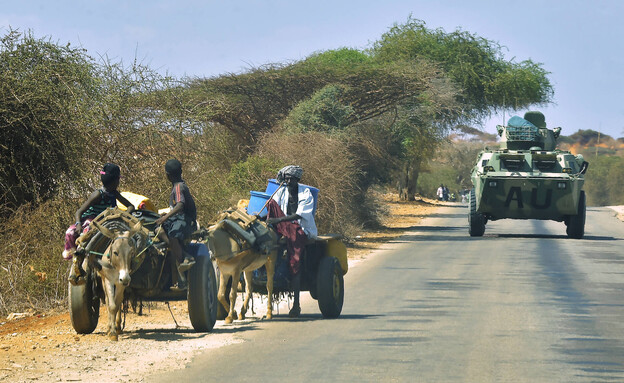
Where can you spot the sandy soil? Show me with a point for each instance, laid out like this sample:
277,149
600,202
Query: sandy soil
619,211
44,347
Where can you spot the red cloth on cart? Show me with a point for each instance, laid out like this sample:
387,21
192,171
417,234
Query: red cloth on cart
292,231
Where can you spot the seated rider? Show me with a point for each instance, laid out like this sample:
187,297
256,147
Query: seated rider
292,214
180,222
97,202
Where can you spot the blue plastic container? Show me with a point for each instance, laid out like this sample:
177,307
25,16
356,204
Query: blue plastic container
256,202
273,185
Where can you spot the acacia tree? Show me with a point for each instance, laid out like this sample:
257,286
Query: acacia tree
46,94
485,81
420,129
477,65
253,103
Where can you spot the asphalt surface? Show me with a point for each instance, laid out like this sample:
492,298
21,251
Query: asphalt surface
523,303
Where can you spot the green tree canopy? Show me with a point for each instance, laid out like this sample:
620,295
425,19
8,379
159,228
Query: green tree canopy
323,112
476,64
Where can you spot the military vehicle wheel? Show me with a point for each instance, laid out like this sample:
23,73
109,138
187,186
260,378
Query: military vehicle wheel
576,223
84,305
330,287
476,220
313,292
202,295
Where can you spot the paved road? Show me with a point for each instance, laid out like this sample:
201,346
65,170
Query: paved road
522,303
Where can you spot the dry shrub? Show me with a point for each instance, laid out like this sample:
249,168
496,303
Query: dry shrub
328,166
33,276
32,272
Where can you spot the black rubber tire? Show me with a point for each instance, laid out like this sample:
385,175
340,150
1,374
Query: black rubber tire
202,295
330,287
576,223
476,220
313,293
84,306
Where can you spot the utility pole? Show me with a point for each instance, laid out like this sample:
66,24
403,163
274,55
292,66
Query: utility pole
598,143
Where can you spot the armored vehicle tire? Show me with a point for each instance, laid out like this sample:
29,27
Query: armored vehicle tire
313,293
576,223
330,287
476,220
202,295
84,306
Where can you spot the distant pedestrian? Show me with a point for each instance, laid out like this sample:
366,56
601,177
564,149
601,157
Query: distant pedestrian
440,192
445,193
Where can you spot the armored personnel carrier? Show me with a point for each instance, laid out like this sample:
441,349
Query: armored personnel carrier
527,178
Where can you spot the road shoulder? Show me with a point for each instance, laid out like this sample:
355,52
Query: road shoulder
44,346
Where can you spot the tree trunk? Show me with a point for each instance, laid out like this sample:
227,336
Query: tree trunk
408,179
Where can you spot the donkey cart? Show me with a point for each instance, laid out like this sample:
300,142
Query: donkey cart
241,242
323,265
152,272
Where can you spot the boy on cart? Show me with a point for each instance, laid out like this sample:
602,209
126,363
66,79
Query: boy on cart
180,222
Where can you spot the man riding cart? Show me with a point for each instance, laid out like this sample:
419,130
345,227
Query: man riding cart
291,212
303,261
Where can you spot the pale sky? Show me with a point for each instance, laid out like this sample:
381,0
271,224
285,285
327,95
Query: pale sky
579,41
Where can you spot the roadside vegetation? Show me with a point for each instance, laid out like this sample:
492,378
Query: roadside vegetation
353,119
605,154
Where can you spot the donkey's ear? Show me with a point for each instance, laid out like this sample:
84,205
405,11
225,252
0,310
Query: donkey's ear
104,230
136,228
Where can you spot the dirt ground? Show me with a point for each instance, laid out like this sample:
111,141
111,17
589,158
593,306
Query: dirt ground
44,347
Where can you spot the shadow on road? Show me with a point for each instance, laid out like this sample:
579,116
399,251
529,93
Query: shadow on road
429,237
441,215
181,333
172,334
442,237
439,228
551,236
315,317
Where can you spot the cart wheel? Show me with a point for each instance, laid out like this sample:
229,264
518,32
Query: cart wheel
202,295
330,287
84,305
